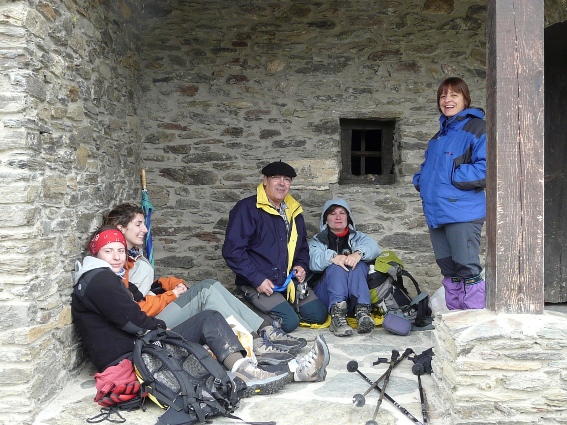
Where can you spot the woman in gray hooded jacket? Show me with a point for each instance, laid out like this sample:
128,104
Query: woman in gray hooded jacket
341,252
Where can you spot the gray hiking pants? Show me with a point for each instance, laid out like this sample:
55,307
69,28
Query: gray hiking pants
209,294
456,247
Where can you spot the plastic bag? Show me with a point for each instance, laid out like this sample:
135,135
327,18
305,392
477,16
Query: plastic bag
243,335
437,302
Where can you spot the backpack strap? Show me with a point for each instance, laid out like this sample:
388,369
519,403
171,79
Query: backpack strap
404,272
418,298
221,379
164,394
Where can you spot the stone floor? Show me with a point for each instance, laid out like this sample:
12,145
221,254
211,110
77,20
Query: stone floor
327,402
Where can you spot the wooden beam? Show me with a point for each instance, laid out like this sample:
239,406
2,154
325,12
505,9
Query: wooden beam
515,173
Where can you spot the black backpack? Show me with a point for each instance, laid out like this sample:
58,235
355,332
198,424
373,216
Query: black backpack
183,377
389,295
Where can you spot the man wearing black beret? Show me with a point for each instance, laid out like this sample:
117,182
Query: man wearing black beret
266,246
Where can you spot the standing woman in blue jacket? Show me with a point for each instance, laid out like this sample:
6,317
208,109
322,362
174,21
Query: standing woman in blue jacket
451,183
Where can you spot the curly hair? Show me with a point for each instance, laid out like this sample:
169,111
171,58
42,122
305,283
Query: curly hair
122,215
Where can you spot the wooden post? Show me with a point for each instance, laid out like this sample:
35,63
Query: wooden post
515,173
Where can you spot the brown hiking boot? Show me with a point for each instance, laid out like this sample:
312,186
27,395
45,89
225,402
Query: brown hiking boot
339,324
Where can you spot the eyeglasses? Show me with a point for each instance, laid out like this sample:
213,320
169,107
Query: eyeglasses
284,179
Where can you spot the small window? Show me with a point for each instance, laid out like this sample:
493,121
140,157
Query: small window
367,151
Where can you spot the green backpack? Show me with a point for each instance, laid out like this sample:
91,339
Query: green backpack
388,293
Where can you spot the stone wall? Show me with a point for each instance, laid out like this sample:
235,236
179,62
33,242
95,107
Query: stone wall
230,86
500,368
70,146
203,94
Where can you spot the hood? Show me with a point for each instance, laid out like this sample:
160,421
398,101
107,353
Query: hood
89,263
461,116
341,203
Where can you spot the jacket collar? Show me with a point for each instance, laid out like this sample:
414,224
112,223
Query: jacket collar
262,202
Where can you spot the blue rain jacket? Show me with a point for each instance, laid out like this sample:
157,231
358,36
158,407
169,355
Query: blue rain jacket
452,178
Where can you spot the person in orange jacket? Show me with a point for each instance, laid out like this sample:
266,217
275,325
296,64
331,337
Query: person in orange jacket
169,299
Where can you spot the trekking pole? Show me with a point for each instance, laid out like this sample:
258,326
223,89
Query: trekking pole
352,366
418,369
395,355
358,399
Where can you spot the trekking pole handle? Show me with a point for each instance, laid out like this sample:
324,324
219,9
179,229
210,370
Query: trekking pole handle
397,362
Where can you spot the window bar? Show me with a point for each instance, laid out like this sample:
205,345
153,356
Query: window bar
362,149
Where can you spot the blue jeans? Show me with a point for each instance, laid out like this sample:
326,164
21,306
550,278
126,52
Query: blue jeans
338,285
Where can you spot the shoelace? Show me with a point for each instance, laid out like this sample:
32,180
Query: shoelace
269,346
342,321
280,333
307,359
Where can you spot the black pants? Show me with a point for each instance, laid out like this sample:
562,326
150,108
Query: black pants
209,327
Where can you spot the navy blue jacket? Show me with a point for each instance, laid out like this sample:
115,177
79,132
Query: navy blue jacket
256,241
452,178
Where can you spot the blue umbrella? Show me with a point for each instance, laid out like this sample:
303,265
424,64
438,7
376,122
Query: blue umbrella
148,208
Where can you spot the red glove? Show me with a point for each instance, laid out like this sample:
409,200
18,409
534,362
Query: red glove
120,394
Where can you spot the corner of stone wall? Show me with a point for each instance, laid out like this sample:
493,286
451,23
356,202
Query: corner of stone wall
70,147
501,368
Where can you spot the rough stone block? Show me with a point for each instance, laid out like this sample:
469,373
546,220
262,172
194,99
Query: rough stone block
15,315
12,103
15,374
54,187
75,112
17,215
14,139
17,193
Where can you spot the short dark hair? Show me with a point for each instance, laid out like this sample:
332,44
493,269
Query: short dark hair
456,84
331,209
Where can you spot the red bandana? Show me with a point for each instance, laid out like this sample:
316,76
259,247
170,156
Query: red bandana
104,238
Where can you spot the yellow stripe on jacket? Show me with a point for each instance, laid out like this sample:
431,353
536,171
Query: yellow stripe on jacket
293,210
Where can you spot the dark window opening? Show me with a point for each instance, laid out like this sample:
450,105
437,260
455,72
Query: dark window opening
367,151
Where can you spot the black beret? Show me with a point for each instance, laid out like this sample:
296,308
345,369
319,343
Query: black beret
278,169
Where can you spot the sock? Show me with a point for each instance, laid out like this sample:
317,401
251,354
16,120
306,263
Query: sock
292,366
232,359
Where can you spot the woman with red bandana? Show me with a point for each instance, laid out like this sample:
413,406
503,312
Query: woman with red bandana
108,320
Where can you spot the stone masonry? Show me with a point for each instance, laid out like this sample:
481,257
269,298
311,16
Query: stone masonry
70,147
500,369
202,94
228,89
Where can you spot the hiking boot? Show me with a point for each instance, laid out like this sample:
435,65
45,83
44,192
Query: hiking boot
339,324
268,353
312,367
275,334
259,381
364,318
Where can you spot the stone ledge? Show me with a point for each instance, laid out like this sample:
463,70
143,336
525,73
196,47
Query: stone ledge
488,365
